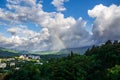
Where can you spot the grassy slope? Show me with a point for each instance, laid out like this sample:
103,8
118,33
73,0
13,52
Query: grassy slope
7,53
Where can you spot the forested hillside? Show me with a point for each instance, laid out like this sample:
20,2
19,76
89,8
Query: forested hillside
98,63
5,53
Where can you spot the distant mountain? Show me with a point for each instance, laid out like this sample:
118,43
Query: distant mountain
62,53
23,52
43,54
78,50
5,53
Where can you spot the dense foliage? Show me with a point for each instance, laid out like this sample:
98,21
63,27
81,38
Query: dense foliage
98,63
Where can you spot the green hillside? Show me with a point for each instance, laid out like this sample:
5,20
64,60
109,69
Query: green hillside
98,63
4,53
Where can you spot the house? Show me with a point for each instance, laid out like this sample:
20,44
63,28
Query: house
12,64
3,65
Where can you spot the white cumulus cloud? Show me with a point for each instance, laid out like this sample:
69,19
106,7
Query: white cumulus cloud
59,4
57,32
107,22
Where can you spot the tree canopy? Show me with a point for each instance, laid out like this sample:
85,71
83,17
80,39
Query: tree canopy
98,63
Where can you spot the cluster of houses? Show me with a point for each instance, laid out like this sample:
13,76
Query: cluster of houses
4,63
29,57
12,62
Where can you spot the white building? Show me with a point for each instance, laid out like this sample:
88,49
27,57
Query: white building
3,65
12,64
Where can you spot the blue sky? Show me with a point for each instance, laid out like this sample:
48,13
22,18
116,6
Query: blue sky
75,9
45,23
79,8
